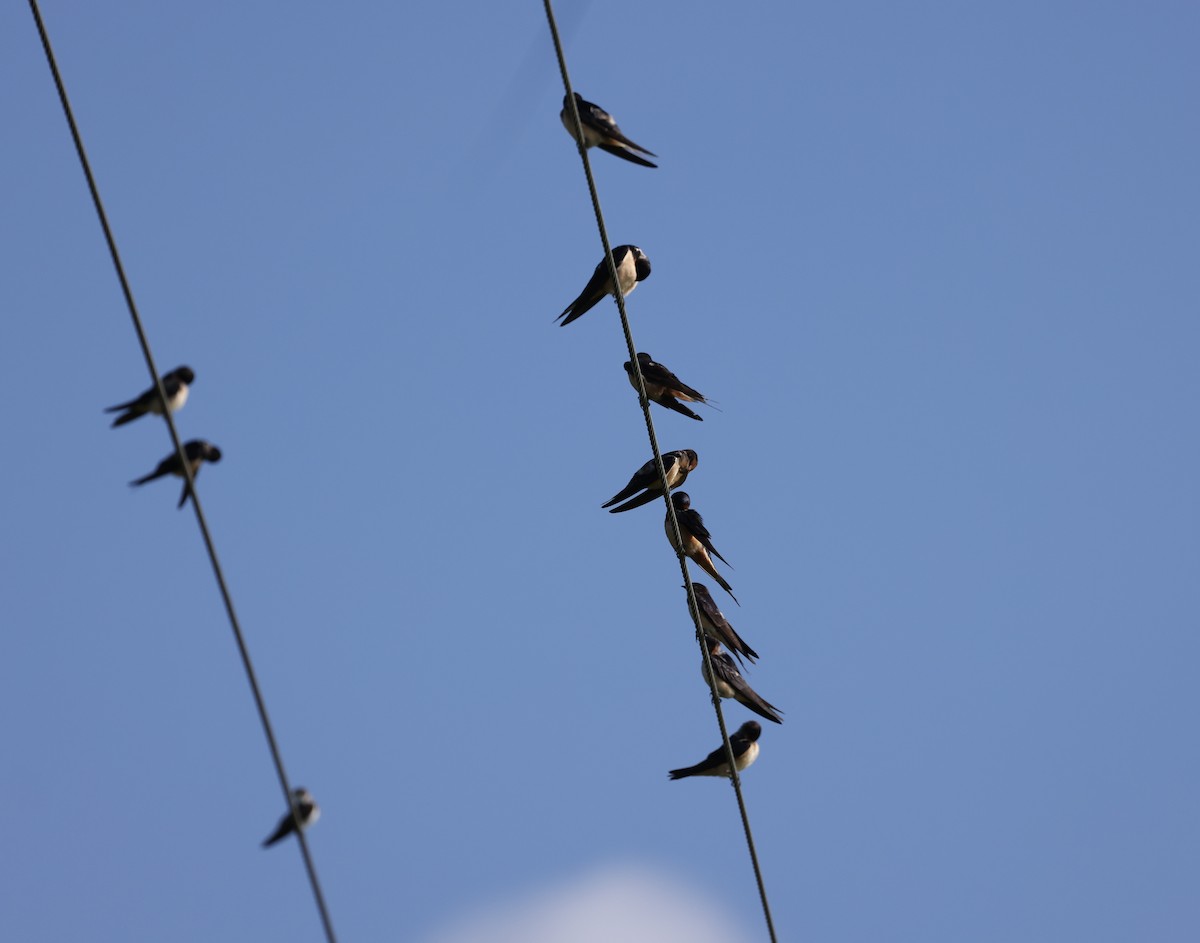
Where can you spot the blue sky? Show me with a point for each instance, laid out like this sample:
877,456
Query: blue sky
937,264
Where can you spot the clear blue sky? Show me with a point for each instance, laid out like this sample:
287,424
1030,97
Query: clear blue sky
938,264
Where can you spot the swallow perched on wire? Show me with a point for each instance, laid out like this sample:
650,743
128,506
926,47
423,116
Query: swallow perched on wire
304,810
175,385
632,267
697,541
744,742
676,464
730,683
663,387
599,130
717,627
197,451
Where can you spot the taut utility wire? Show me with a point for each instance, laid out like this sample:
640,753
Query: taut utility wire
186,467
672,519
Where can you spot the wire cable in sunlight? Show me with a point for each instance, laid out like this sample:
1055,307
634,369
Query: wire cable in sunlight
693,606
186,467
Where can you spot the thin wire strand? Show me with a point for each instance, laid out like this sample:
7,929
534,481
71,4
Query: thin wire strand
672,518
185,465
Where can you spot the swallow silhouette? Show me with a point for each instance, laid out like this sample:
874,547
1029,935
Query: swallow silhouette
676,464
663,387
197,451
744,742
717,627
304,809
697,541
175,384
730,683
632,267
599,130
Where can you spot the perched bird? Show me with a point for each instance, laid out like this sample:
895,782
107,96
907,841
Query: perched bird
675,464
744,742
304,810
175,385
730,683
663,387
197,452
717,627
599,130
697,541
632,267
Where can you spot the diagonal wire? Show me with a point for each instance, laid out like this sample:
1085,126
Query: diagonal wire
672,519
186,466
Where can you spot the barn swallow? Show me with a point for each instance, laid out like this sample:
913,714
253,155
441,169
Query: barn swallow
745,751
675,464
663,387
632,267
175,385
599,130
197,451
304,809
697,541
717,627
730,683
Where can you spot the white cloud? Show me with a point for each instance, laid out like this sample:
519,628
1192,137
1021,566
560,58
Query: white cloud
630,903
